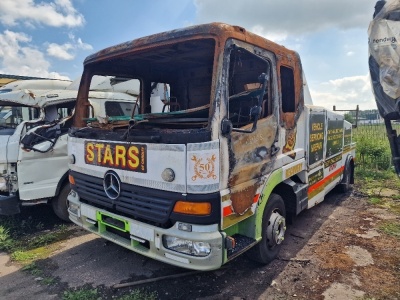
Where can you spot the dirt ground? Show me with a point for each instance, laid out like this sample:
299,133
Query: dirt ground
336,250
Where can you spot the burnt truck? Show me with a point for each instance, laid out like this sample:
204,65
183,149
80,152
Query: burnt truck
384,67
35,116
240,151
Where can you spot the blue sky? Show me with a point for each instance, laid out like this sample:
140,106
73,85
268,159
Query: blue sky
52,38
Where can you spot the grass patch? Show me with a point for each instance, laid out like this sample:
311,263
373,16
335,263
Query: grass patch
26,256
372,148
374,177
33,269
27,241
139,294
6,242
80,294
374,200
391,228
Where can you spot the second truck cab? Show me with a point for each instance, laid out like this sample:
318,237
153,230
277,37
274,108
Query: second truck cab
35,116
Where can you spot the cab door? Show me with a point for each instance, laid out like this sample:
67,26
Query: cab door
251,154
43,159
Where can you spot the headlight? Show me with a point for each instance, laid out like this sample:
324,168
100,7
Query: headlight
186,246
73,208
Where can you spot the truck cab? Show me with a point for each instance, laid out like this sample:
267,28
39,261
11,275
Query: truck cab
237,149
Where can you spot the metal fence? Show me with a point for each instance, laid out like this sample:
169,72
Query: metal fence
372,148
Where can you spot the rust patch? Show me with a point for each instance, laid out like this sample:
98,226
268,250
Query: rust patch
263,136
252,151
243,199
252,159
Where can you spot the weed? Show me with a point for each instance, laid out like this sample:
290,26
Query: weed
33,269
44,240
39,226
391,228
374,200
80,294
48,281
62,228
22,256
139,294
6,242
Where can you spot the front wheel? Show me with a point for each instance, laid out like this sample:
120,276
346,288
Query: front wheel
273,231
60,203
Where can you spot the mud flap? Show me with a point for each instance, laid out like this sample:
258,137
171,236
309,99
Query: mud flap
300,191
9,205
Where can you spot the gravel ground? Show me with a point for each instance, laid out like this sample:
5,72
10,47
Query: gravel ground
335,250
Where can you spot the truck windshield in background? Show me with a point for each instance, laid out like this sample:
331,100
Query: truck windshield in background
12,116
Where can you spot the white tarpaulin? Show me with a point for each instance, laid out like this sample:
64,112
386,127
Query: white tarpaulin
384,61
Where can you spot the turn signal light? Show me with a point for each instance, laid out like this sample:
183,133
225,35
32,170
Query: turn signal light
192,208
71,179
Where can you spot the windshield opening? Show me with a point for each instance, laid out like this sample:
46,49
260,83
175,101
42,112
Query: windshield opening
174,87
12,116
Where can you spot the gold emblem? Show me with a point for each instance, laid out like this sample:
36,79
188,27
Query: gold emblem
290,142
204,169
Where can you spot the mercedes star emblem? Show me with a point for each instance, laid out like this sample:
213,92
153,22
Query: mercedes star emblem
112,185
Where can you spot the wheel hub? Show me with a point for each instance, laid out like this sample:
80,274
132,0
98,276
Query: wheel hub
276,229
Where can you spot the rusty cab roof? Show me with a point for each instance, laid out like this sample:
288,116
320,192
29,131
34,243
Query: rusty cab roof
219,31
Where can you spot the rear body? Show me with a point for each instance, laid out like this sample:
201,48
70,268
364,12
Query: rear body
238,149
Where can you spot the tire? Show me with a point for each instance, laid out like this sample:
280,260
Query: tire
273,231
345,186
60,203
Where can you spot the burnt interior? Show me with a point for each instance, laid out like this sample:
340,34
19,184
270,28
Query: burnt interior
244,87
186,67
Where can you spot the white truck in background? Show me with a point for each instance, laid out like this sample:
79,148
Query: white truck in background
35,116
384,68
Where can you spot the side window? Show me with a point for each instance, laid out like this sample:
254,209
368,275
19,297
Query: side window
287,86
113,109
63,112
244,87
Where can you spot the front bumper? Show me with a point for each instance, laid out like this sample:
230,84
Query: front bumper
9,205
147,239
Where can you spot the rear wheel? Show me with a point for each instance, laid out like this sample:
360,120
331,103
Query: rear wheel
60,203
273,231
345,185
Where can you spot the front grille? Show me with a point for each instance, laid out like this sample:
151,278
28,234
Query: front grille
141,203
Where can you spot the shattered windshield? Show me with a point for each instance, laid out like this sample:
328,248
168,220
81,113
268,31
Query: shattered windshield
173,84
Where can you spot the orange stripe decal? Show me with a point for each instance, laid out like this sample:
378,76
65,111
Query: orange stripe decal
256,197
227,211
326,179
